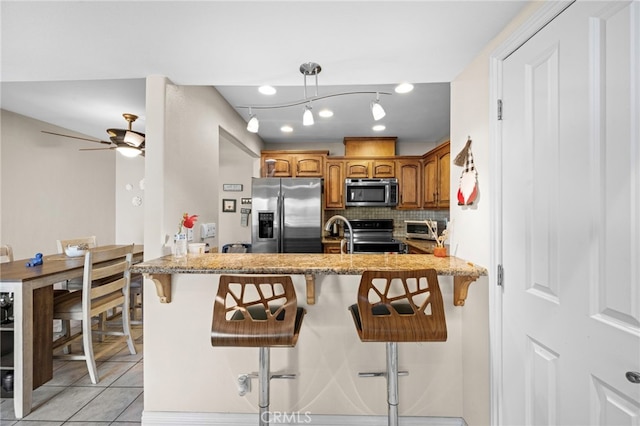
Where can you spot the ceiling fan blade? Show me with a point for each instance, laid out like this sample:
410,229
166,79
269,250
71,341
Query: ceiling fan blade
97,149
77,137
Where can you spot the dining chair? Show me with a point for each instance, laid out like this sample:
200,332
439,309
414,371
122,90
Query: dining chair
110,267
6,253
72,284
91,242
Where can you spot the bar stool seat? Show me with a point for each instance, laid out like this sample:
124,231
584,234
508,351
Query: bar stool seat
398,306
257,311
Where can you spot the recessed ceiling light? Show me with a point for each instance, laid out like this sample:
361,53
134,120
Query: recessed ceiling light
325,113
379,127
267,90
286,129
404,88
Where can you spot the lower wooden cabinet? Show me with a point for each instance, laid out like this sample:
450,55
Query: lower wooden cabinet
331,248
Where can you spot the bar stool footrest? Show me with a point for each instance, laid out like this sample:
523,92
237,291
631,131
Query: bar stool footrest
381,374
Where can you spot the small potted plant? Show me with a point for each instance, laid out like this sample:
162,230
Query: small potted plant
439,250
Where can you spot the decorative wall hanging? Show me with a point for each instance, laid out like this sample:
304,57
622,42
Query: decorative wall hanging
468,189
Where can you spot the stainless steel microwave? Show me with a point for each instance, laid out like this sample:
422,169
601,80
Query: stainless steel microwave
371,192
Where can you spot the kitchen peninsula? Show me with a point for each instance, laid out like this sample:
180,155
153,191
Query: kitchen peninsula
186,378
307,264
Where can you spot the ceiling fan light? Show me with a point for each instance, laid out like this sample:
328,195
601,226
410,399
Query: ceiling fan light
253,125
377,110
133,138
307,117
128,151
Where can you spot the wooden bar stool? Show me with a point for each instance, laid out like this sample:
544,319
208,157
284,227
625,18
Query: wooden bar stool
257,311
398,306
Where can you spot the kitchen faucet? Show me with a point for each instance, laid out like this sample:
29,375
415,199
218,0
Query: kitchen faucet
332,219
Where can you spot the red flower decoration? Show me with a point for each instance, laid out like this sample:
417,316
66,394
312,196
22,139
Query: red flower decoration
188,221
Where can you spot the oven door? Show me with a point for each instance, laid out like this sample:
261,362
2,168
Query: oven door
378,247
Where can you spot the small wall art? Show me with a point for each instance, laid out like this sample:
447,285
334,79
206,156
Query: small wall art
228,205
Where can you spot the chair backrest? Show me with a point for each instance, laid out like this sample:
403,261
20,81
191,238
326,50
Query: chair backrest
111,269
89,241
401,306
254,311
6,254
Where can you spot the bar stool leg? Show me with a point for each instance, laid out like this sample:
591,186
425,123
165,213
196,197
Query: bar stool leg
392,382
263,376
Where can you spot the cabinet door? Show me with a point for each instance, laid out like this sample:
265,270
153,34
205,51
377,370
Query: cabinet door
409,184
309,165
444,168
333,185
280,165
358,169
383,168
430,176
331,248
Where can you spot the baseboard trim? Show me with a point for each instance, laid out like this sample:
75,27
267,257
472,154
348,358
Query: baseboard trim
151,418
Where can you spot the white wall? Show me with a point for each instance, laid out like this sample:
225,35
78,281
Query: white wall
129,184
471,224
337,148
50,190
236,167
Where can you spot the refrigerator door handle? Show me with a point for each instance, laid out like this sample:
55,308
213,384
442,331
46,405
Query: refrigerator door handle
281,220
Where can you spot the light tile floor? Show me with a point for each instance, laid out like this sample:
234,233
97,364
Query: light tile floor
71,399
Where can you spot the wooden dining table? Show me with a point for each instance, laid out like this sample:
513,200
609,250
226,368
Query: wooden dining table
32,289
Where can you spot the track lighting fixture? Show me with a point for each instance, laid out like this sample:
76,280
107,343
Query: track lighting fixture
253,125
376,109
307,117
313,69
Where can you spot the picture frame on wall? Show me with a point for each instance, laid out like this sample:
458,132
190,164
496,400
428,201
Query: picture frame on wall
228,205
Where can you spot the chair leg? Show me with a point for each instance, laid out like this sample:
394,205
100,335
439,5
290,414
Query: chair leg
88,351
392,382
126,326
264,376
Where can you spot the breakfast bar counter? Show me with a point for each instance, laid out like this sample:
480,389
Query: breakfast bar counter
307,264
179,357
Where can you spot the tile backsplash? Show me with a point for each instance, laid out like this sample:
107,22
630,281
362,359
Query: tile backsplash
398,216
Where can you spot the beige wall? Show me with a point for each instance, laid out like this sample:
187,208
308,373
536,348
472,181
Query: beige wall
470,237
236,167
50,190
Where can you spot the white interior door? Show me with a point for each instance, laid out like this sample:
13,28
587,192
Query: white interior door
571,220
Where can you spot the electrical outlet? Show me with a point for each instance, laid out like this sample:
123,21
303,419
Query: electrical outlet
208,230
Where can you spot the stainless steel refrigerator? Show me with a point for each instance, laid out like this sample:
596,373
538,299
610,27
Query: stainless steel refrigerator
286,216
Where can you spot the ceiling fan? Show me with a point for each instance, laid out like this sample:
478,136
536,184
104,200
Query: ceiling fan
127,142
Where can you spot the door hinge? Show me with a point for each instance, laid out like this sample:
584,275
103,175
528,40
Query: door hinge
499,109
500,275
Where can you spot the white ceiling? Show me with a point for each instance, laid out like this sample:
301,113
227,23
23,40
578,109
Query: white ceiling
80,65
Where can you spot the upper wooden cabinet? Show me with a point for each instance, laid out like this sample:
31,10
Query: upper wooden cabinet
292,163
436,167
370,146
334,185
409,185
363,168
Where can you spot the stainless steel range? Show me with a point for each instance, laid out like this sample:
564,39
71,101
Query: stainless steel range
374,236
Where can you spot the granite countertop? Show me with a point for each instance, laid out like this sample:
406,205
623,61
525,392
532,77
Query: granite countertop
307,263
